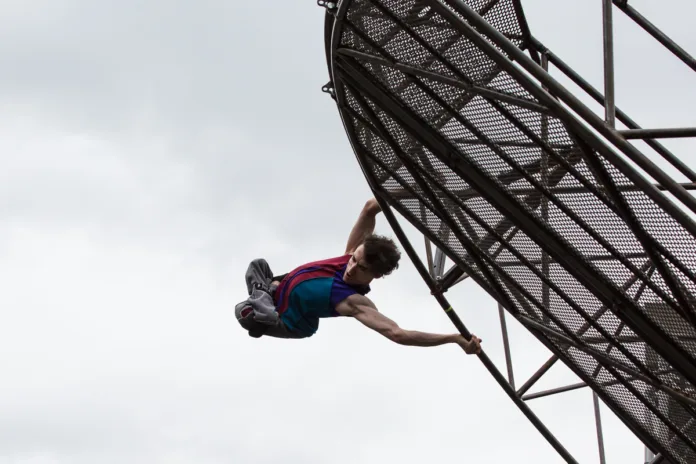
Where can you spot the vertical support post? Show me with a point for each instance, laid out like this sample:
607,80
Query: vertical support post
506,344
439,264
545,265
428,246
609,89
610,119
429,255
600,434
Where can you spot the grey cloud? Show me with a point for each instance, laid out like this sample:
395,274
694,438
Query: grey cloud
216,82
149,150
217,61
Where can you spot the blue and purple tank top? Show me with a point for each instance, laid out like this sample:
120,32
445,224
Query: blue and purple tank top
311,292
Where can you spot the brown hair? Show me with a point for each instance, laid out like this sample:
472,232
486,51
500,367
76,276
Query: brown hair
381,254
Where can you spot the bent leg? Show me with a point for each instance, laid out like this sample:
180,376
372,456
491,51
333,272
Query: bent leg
245,317
258,275
260,280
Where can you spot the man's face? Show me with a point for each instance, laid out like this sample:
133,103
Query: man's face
357,271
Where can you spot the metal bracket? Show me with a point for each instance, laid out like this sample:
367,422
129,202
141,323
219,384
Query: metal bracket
330,6
330,89
438,289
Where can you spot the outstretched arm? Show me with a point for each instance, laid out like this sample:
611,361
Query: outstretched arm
364,226
364,310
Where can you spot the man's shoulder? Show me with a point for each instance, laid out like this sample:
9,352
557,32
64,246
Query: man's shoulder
328,266
340,260
354,300
334,261
350,305
358,298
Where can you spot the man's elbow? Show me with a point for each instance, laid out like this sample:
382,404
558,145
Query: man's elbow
397,335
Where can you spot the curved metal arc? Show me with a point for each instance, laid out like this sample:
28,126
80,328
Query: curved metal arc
570,168
415,134
634,393
521,172
514,396
603,361
376,46
424,233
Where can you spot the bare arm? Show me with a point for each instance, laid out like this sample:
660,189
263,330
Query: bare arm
364,310
364,226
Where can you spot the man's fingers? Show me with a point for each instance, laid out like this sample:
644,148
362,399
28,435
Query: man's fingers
477,343
473,345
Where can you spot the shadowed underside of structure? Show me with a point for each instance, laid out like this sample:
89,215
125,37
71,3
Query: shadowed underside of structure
577,245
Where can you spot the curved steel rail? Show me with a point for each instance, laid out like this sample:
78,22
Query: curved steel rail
466,136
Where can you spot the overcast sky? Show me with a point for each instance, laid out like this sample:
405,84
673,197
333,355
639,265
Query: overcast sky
148,151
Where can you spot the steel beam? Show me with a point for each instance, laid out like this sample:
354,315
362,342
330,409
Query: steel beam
661,37
658,133
609,86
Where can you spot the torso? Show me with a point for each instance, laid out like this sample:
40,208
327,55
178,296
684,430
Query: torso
312,292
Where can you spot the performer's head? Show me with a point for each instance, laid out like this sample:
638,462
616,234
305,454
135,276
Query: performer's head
376,257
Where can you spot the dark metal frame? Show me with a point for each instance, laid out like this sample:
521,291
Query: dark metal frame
343,63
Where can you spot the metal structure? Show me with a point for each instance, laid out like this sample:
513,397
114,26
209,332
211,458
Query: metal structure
459,127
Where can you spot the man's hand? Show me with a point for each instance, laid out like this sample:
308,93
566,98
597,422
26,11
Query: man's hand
372,206
472,346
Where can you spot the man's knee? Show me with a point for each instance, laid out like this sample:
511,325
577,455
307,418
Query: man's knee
258,275
260,264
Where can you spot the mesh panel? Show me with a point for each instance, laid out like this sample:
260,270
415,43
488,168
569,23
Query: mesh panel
491,124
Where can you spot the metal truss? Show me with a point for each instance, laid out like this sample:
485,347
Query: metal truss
459,127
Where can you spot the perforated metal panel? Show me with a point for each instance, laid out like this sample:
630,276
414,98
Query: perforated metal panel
557,233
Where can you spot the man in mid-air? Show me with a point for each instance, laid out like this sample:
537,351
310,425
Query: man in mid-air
291,305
